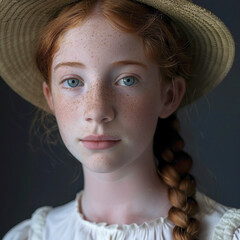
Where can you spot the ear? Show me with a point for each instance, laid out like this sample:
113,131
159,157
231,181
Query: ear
48,95
172,94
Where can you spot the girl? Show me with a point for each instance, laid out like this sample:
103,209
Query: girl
114,73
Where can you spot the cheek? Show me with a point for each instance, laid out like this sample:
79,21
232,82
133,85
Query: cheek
141,113
144,106
66,114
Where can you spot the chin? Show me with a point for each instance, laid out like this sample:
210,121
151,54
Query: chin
100,163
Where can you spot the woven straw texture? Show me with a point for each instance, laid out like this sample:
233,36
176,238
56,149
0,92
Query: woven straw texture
21,20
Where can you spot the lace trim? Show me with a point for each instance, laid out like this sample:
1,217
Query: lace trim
38,221
228,225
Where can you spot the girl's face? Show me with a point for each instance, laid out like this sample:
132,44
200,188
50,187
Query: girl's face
103,84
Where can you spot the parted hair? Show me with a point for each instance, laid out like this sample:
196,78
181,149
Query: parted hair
165,45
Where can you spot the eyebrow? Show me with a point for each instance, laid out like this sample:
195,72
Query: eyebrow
81,65
130,62
69,64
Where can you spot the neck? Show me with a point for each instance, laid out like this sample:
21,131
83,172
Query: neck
132,195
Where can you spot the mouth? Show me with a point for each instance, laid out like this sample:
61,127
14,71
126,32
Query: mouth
100,138
99,142
99,145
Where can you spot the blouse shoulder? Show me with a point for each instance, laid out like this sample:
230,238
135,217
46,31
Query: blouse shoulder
218,222
31,229
228,226
19,232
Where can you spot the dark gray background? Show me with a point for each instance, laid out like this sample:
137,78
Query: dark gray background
31,178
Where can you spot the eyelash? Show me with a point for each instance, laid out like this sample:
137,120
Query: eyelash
66,81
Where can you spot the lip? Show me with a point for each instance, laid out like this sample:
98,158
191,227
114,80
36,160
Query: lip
99,142
100,138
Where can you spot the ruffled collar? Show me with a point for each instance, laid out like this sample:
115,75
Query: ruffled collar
124,227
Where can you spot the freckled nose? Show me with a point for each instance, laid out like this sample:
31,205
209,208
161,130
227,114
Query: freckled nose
99,105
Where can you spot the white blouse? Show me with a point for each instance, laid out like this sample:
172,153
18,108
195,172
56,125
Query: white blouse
66,222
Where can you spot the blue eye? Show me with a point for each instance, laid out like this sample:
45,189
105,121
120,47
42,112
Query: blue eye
72,83
128,81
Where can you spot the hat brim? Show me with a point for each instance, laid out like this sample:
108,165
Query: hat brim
20,22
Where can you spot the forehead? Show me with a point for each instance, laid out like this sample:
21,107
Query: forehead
97,37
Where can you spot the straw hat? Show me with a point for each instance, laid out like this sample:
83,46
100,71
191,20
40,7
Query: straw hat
20,22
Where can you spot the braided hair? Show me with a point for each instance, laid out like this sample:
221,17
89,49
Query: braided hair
173,167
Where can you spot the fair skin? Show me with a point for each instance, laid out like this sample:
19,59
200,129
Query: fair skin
121,183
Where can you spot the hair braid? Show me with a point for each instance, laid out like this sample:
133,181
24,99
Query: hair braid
173,168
